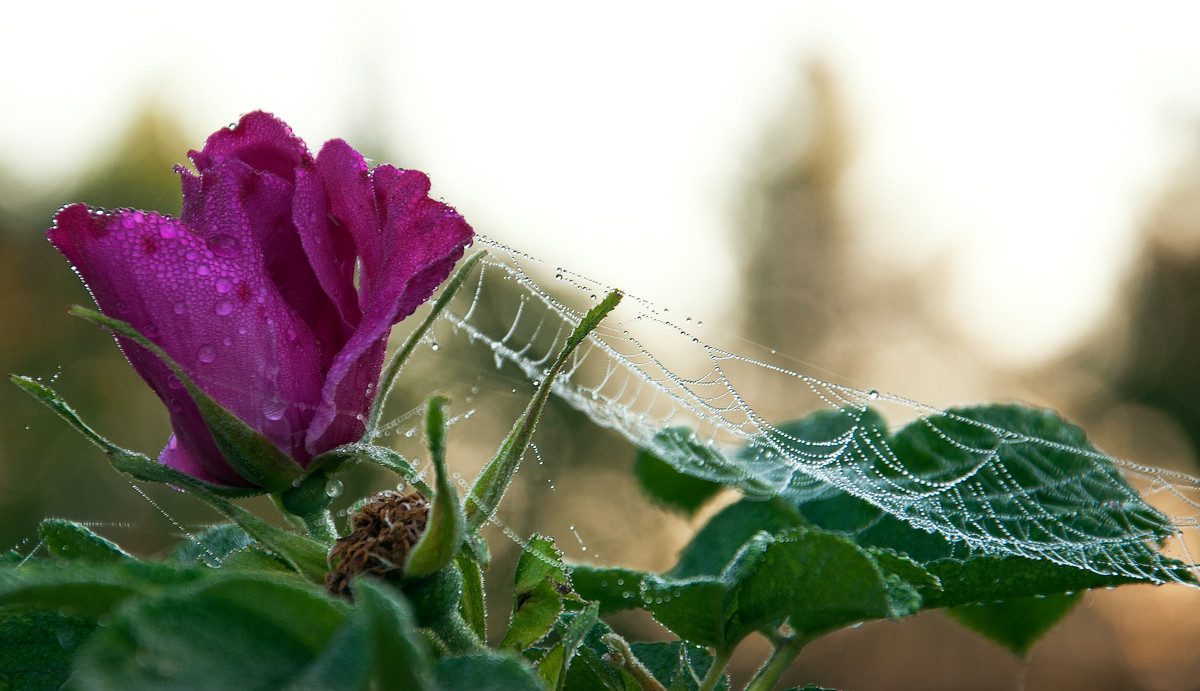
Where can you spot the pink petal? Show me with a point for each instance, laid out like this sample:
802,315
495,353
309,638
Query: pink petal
212,308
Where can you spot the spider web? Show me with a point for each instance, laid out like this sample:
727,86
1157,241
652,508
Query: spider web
1036,489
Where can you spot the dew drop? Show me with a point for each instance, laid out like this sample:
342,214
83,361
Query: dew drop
558,277
202,270
435,346
150,331
274,409
223,245
206,353
223,308
179,308
227,341
224,285
122,307
166,231
873,394
334,488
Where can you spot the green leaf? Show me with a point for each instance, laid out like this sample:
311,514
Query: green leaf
616,589
231,632
677,665
124,460
487,672
814,581
67,540
473,604
305,555
377,640
252,455
392,370
766,469
1047,495
211,546
347,455
711,549
492,482
665,484
1016,624
87,590
36,648
985,579
573,630
819,582
591,669
447,528
537,596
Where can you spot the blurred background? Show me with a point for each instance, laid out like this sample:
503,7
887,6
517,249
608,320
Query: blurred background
953,204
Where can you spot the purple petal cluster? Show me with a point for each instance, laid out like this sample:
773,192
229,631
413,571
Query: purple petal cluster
276,288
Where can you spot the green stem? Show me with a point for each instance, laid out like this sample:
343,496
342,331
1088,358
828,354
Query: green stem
719,663
631,663
785,652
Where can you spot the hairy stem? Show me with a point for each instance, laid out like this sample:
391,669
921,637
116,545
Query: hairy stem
785,652
719,663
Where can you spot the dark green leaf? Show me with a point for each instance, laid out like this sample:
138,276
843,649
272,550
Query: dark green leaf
341,458
86,590
589,671
540,581
985,579
489,672
710,551
36,648
211,546
1016,624
231,632
813,580
401,658
663,482
615,589
1046,494
67,540
677,665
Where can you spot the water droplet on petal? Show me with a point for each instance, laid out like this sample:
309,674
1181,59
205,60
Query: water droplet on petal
150,331
274,409
223,245
206,353
174,383
224,285
202,270
223,308
179,308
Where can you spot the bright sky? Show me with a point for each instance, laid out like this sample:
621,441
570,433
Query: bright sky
1021,144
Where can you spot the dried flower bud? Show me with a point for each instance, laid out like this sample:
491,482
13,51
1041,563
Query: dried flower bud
383,533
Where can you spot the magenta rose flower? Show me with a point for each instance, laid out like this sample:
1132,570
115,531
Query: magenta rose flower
276,289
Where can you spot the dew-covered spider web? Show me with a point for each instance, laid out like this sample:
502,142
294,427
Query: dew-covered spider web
992,480
987,480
